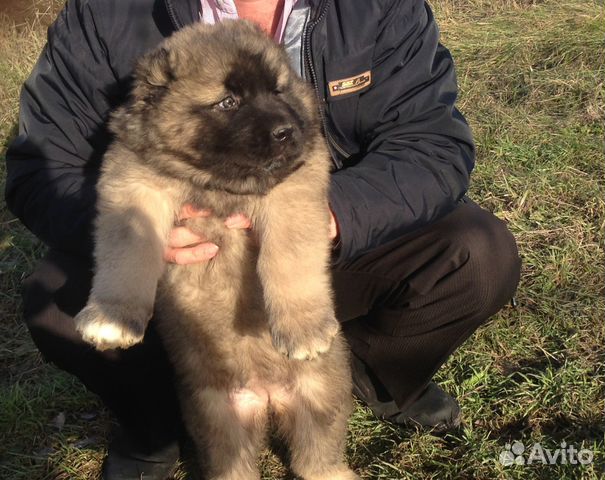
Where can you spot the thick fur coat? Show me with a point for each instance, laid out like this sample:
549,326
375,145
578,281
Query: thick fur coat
217,119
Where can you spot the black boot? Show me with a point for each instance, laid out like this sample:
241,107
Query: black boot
434,408
129,459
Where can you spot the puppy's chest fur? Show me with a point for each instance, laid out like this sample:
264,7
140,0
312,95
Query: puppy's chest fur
213,313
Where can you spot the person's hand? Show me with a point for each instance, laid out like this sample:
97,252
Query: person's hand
186,247
333,230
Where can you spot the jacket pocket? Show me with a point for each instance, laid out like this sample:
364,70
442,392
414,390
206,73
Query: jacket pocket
346,78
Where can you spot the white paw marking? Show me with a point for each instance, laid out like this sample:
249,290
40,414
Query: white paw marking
105,332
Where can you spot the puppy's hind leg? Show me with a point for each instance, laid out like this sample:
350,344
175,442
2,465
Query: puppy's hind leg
316,438
228,429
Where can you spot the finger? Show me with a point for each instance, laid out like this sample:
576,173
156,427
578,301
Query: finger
333,228
183,237
238,220
189,211
184,256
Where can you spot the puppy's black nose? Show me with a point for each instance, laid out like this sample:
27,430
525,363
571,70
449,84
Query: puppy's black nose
282,133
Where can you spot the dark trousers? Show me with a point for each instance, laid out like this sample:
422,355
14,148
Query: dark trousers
405,307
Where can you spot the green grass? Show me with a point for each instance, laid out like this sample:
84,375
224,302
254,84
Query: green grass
531,79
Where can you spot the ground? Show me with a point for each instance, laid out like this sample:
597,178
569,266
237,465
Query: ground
531,85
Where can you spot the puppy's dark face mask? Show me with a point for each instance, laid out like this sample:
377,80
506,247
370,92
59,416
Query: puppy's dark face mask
225,104
256,129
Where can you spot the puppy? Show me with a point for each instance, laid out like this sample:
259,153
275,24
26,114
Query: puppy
218,119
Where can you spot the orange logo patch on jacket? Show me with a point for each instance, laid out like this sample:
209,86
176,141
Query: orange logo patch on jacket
350,85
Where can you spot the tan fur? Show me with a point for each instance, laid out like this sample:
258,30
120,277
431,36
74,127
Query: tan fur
252,333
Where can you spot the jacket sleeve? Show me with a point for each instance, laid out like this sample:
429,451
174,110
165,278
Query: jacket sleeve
53,164
419,150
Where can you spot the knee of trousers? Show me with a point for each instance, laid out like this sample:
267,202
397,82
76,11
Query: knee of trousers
492,269
52,295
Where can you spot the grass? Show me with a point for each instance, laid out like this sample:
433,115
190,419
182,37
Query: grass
531,78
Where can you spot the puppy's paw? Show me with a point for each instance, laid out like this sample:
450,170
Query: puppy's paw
304,340
107,326
343,473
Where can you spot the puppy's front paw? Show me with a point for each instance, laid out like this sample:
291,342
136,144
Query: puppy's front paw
106,325
304,338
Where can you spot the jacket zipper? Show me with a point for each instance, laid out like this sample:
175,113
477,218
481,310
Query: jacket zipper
173,18
306,44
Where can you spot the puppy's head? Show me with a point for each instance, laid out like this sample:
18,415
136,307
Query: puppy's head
223,106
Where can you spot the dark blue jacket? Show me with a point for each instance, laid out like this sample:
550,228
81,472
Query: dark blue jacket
402,152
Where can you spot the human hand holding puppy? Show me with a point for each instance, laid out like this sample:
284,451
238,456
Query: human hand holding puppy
113,325
185,247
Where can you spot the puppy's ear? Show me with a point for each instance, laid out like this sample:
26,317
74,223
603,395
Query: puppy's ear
157,68
152,77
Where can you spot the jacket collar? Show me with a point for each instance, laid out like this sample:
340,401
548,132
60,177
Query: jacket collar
186,12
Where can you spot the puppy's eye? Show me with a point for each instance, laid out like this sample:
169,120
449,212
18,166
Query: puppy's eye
227,103
278,91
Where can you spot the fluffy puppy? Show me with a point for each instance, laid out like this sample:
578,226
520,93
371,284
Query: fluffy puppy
218,119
